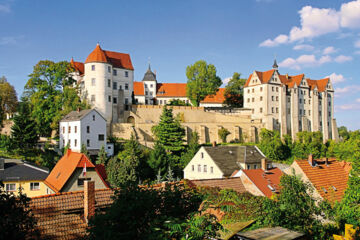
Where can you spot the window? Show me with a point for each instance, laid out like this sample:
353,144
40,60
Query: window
88,142
261,98
277,110
289,111
309,101
109,69
109,98
126,86
253,90
304,112
63,129
150,93
114,72
329,114
69,129
146,101
260,89
34,186
109,83
277,98
192,168
272,109
93,82
115,100
211,169
252,111
101,137
164,101
202,155
255,166
93,117
272,88
160,101
151,85
75,129
248,90
120,87
87,129
10,187
300,111
288,99
260,110
253,99
205,168
248,166
199,168
329,104
114,85
92,98
126,74
277,89
309,112
146,93
300,100
92,67
272,98
126,101
80,181
248,99
75,143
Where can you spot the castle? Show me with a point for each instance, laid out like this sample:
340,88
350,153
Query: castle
277,102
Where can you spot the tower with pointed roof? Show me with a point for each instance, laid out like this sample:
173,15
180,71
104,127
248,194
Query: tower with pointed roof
106,81
150,83
291,104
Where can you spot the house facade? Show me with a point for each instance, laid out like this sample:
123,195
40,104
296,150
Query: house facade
291,104
223,161
83,127
17,175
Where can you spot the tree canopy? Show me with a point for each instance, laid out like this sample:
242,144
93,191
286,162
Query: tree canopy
234,91
8,96
202,81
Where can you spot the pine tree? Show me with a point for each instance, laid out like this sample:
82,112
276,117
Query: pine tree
170,175
192,149
84,150
102,156
158,159
159,178
169,132
23,132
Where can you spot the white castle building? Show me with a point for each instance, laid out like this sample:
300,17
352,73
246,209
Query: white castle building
291,104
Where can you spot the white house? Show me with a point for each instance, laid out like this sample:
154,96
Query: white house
86,127
223,161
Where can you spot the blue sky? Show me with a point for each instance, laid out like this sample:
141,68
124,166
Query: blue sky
318,38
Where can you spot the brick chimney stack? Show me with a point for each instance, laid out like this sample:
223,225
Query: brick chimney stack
311,160
89,199
264,164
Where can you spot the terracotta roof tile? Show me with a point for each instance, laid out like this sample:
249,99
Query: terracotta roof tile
217,98
234,183
171,90
97,55
78,66
65,167
326,177
262,179
139,89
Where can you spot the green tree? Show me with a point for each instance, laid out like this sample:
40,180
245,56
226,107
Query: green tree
16,220
24,132
83,150
169,133
191,150
202,81
102,156
234,91
8,96
343,132
159,159
177,102
309,143
272,146
223,133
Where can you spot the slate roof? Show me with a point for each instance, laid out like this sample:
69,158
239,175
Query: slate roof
149,75
330,181
228,158
76,115
61,215
15,169
222,183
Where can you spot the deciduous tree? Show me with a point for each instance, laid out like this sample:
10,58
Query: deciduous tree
8,96
234,91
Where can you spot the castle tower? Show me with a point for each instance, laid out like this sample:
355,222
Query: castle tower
150,84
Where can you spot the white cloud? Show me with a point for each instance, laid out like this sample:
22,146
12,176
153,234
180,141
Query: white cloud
347,89
315,22
358,100
336,78
342,58
304,61
304,47
357,44
9,40
5,8
226,80
329,50
345,107
350,14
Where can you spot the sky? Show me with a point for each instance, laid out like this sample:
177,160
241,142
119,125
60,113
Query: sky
319,38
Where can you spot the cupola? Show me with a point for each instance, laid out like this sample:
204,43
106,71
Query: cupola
149,75
98,55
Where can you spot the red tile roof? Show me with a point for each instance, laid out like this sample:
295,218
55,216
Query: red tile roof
217,98
325,177
234,183
61,215
119,60
139,89
264,77
262,179
171,90
65,167
78,66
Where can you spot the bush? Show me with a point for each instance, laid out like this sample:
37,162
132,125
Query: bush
223,133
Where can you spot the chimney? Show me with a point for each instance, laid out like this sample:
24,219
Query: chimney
214,144
89,199
326,161
264,164
311,160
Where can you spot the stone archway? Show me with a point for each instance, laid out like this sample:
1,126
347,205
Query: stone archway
131,120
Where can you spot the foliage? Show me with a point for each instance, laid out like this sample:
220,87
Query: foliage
343,133
23,132
347,149
8,103
159,159
49,90
234,96
149,213
177,102
223,133
102,156
83,150
191,150
16,220
272,146
309,143
202,81
169,133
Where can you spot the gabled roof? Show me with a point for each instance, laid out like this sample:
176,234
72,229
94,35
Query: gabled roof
139,89
264,77
78,115
216,98
325,177
262,179
228,158
18,170
78,66
65,167
234,183
118,60
171,90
